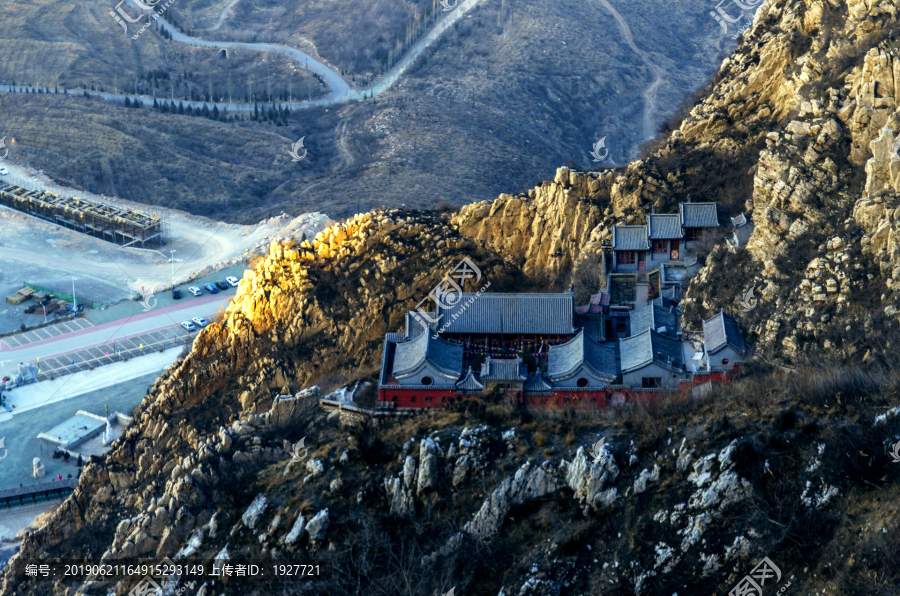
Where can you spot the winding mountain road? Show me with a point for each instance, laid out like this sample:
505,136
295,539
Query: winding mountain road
651,90
222,15
340,89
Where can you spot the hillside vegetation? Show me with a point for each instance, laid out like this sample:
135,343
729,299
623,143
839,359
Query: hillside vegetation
685,496
501,99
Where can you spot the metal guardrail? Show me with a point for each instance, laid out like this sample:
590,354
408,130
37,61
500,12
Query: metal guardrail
36,493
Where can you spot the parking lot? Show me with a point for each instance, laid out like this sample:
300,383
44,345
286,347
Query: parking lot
164,299
114,351
23,339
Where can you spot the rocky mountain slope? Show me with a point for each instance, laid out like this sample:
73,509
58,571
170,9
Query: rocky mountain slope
510,92
798,130
686,497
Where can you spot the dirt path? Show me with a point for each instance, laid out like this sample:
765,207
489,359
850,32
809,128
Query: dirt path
651,90
342,143
222,15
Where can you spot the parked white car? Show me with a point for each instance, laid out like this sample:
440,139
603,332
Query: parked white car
195,291
188,325
200,321
4,172
232,280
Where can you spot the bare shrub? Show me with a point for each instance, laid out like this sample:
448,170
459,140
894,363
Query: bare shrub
585,277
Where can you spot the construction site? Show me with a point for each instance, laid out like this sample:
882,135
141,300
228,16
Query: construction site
124,227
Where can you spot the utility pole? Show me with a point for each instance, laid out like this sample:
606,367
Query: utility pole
172,252
74,299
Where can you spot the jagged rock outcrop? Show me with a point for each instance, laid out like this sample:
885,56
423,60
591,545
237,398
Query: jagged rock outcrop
401,491
588,478
792,131
529,482
544,232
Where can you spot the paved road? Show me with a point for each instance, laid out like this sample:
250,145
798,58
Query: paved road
340,89
43,333
122,349
103,334
21,431
14,520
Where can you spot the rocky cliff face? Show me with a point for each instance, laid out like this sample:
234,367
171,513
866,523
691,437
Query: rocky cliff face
798,129
308,310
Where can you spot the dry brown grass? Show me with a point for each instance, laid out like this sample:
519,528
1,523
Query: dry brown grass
413,145
92,51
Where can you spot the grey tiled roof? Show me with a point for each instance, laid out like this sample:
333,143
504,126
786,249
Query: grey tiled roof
469,382
654,316
592,325
640,350
415,325
538,383
630,238
443,355
495,313
720,331
665,226
387,354
739,221
496,369
665,298
698,215
564,359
